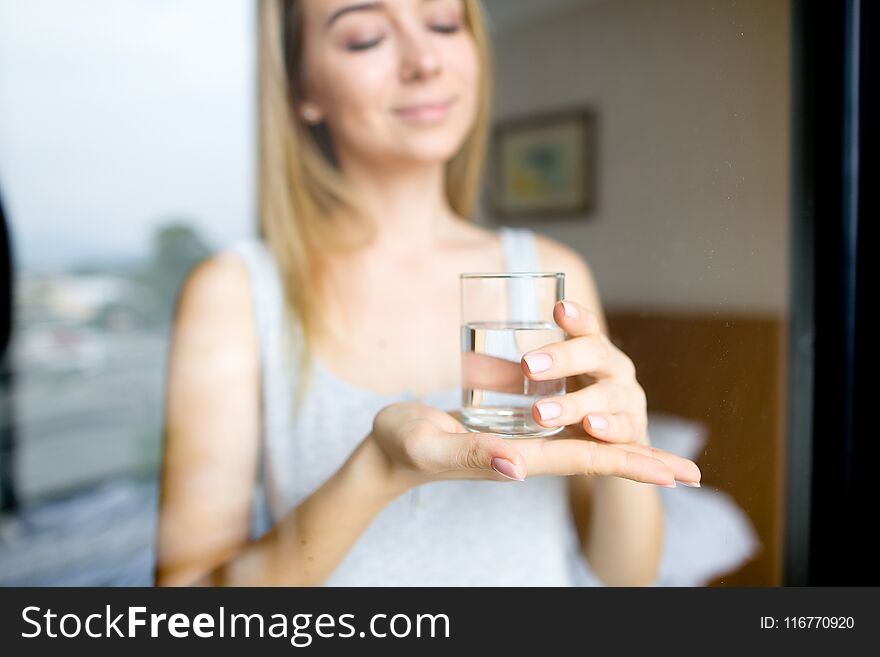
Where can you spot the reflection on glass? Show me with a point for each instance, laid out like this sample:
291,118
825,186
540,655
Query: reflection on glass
688,243
120,129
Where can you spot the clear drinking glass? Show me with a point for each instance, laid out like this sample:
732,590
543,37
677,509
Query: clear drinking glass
504,316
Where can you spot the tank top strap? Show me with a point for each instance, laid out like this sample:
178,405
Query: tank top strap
521,254
520,249
265,285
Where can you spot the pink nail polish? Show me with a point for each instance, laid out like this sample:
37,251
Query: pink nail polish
692,484
538,362
570,310
505,468
597,422
549,410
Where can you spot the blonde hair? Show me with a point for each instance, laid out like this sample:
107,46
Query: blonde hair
305,207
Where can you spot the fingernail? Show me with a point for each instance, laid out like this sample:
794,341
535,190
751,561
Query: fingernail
597,422
570,311
692,484
505,468
549,410
538,362
672,485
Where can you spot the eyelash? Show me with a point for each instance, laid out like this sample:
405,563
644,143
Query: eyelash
452,28
366,45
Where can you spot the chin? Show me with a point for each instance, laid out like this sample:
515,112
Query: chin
428,156
430,148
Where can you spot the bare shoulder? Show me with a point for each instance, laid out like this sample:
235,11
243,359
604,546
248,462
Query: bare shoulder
214,355
214,336
559,255
580,284
219,283
211,422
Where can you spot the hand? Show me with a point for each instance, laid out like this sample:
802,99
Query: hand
420,444
611,406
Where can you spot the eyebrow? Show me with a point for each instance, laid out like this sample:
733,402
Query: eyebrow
360,6
342,11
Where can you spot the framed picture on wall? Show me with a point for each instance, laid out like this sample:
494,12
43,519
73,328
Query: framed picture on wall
543,166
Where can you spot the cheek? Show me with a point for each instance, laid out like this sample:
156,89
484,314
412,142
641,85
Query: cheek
464,66
355,86
463,61
362,86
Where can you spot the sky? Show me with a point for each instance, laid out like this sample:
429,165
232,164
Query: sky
119,115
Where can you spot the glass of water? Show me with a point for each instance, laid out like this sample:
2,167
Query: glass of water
504,316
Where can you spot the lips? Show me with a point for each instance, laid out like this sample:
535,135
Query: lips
428,112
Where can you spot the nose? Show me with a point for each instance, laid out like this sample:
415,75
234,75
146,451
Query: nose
419,61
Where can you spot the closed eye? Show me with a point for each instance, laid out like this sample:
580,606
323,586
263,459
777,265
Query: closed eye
364,45
446,29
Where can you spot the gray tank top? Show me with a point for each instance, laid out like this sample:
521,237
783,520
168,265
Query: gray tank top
448,533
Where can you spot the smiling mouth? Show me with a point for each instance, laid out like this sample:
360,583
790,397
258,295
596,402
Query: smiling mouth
425,112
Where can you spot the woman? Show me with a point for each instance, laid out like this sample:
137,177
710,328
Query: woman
341,468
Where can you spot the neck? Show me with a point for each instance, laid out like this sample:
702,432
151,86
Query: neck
407,204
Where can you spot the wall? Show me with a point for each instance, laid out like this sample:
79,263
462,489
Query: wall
693,109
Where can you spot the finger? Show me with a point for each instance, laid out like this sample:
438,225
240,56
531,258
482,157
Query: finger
602,400
468,455
587,354
683,468
616,428
570,456
575,319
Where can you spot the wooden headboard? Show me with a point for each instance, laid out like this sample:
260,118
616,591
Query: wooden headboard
727,371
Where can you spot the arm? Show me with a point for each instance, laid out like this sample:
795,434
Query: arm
210,456
619,521
307,545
